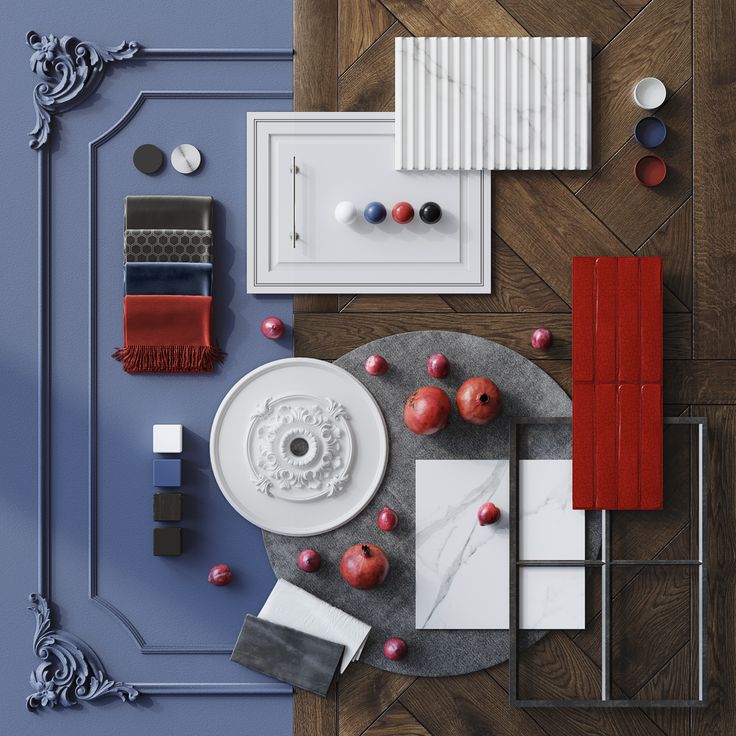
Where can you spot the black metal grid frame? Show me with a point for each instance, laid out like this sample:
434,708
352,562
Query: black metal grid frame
606,565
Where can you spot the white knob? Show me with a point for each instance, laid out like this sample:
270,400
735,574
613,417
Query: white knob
345,212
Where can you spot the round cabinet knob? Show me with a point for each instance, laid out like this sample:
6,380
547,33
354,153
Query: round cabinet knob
148,158
430,212
186,158
374,213
403,213
345,212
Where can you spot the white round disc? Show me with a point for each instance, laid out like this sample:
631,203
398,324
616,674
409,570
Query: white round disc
650,93
299,447
186,158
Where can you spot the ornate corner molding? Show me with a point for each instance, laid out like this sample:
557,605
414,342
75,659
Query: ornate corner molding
70,671
70,71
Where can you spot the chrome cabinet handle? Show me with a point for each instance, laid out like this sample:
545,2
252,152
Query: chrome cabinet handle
294,235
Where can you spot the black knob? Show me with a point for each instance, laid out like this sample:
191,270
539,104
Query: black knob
430,212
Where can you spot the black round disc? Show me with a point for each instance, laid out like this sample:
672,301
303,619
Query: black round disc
430,212
148,158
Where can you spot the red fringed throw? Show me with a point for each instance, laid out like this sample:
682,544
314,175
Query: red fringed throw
168,334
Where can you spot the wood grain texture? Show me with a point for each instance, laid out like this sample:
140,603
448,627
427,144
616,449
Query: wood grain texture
471,705
397,303
673,680
329,336
599,19
614,195
632,7
360,23
315,47
700,382
364,693
715,187
454,18
315,716
368,84
657,43
397,721
673,240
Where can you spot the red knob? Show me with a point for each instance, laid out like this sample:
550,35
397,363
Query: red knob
402,212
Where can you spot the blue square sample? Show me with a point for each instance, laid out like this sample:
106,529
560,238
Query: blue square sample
167,473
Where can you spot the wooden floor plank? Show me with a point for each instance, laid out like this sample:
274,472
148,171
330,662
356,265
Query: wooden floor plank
315,716
454,18
315,55
674,242
632,211
397,303
365,693
397,721
656,43
715,184
718,719
329,336
673,680
599,19
471,705
632,7
700,382
515,287
360,23
368,84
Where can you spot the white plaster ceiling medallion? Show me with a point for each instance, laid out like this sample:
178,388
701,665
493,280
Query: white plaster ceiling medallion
493,103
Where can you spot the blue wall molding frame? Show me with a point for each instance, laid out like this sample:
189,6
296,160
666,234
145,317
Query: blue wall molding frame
71,70
94,146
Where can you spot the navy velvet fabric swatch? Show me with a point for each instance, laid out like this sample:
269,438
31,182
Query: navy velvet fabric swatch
185,279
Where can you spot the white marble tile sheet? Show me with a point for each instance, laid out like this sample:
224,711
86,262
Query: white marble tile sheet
493,103
462,568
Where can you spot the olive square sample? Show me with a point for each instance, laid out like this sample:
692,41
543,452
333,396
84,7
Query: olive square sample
167,473
167,438
167,506
167,541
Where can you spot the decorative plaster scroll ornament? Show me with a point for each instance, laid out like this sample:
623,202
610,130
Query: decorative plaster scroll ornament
70,671
70,70
299,447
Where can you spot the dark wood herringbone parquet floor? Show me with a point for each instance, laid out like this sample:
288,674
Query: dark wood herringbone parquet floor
344,61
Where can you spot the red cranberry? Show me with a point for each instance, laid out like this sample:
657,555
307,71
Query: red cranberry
376,365
438,366
488,513
387,519
220,575
309,560
395,649
541,339
272,328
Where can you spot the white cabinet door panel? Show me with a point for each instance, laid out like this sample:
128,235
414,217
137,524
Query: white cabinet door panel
349,156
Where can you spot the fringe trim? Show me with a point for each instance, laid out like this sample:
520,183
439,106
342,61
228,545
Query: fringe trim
169,358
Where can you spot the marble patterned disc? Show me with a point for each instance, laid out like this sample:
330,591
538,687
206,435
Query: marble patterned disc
390,609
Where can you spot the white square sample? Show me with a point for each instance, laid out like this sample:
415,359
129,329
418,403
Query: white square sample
462,568
167,438
493,103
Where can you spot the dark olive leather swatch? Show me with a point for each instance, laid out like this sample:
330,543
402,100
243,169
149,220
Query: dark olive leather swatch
158,212
300,659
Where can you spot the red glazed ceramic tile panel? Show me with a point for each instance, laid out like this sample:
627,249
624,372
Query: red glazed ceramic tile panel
617,383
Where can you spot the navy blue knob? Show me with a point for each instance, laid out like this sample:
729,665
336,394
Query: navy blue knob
430,212
374,213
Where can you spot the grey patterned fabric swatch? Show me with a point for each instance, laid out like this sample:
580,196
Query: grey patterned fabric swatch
168,246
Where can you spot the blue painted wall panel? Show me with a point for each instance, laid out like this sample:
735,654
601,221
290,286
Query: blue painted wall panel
167,600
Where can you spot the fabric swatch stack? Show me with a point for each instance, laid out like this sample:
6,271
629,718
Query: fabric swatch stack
167,308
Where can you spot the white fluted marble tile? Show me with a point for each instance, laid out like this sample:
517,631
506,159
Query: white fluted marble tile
462,568
493,103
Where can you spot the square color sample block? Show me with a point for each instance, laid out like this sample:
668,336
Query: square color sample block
167,437
167,541
167,473
167,506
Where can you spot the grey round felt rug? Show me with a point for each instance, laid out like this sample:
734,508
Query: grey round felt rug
389,609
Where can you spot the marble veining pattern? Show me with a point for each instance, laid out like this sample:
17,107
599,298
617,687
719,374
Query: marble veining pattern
493,103
462,579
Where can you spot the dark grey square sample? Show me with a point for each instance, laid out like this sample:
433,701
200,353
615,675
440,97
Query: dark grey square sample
167,541
167,506
300,659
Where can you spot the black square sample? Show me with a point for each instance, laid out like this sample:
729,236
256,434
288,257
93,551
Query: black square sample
167,541
167,506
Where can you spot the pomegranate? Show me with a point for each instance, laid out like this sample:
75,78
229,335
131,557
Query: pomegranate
387,519
438,366
488,513
541,339
376,365
309,560
364,566
272,328
478,400
220,575
427,410
395,648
